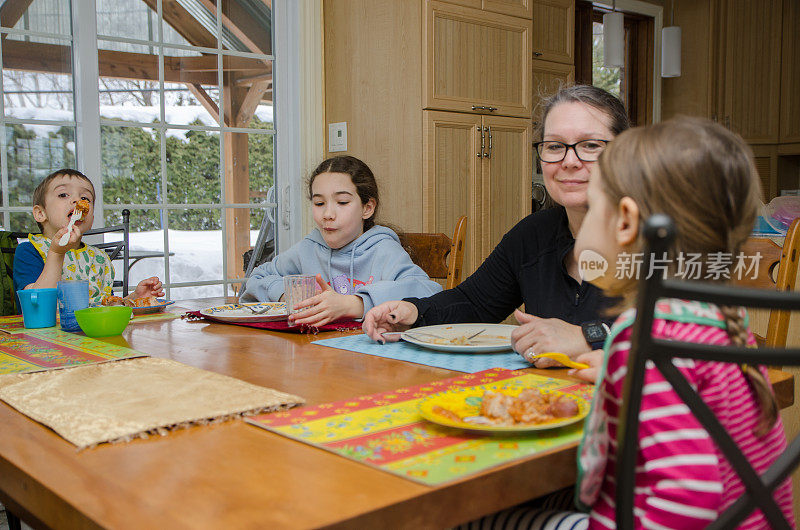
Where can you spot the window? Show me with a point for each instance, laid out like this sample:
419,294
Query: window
184,110
634,82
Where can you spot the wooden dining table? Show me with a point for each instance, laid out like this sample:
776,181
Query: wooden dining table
235,475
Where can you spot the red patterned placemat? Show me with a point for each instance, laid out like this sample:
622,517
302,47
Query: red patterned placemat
386,431
280,325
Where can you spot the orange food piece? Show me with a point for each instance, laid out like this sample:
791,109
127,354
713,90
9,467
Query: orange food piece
144,301
110,299
83,206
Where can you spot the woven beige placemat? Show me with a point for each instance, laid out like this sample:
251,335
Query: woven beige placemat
123,400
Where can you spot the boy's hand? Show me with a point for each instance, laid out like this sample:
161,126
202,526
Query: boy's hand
74,240
327,306
148,287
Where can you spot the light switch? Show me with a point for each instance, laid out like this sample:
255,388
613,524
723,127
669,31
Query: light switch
337,136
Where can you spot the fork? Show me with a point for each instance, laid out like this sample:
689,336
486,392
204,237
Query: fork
257,311
76,216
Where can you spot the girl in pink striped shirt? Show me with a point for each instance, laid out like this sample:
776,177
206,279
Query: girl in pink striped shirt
703,177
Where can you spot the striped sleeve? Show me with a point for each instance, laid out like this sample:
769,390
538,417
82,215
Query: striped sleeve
678,483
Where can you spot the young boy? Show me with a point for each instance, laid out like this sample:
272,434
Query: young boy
42,262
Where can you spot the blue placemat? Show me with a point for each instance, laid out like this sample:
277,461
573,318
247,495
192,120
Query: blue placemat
404,351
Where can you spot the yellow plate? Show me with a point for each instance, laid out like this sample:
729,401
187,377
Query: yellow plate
466,402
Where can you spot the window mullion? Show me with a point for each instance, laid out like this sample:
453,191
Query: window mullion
87,96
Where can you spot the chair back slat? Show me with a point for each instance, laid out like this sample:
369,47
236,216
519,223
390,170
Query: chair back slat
430,251
659,232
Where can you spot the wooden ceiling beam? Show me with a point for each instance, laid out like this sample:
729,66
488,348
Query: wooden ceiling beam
54,58
250,103
243,25
184,23
11,11
208,63
205,100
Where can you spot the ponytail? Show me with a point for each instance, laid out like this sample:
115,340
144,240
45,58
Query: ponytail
764,396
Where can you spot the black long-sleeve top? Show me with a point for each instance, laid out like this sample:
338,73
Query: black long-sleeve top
527,266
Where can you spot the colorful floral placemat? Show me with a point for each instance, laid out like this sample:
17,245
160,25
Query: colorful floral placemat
405,351
35,350
386,431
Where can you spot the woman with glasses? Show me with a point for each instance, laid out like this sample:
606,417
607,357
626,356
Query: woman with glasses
534,264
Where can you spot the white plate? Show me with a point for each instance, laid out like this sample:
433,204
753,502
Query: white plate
496,338
237,313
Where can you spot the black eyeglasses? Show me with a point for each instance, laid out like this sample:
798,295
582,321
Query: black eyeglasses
585,150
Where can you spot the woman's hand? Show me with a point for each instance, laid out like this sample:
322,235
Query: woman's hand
327,306
543,335
148,287
389,316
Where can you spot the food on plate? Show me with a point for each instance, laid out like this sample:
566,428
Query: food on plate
83,207
110,299
530,406
462,340
144,301
447,413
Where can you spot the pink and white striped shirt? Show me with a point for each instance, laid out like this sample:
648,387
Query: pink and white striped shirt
682,479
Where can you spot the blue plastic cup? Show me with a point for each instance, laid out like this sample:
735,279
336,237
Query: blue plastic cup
72,295
38,307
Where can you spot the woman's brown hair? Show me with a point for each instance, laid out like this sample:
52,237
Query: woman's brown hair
360,174
703,177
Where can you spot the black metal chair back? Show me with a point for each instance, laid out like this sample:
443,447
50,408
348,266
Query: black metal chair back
114,249
659,232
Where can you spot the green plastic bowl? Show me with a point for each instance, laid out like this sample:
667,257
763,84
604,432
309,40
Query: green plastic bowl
103,321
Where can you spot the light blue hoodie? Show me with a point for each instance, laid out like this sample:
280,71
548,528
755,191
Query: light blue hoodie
375,263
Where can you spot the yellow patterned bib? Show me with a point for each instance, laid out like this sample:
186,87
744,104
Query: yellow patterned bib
85,263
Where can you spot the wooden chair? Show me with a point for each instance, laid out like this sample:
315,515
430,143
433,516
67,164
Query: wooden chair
659,231
786,261
430,252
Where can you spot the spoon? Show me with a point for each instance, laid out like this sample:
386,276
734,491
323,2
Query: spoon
556,356
76,216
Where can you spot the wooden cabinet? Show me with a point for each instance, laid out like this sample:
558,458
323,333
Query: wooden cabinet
515,8
554,30
476,61
749,68
548,77
790,74
478,166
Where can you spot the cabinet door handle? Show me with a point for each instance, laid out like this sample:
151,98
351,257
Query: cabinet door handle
537,54
480,130
483,107
488,154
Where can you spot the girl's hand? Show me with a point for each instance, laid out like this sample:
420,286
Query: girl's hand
148,287
389,316
595,360
545,335
327,306
74,240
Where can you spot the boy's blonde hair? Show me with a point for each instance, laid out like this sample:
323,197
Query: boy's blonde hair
41,190
702,176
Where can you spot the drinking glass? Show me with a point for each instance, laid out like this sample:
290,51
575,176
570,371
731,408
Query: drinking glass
296,288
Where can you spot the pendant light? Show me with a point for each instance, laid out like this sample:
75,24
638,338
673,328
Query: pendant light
613,38
671,48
